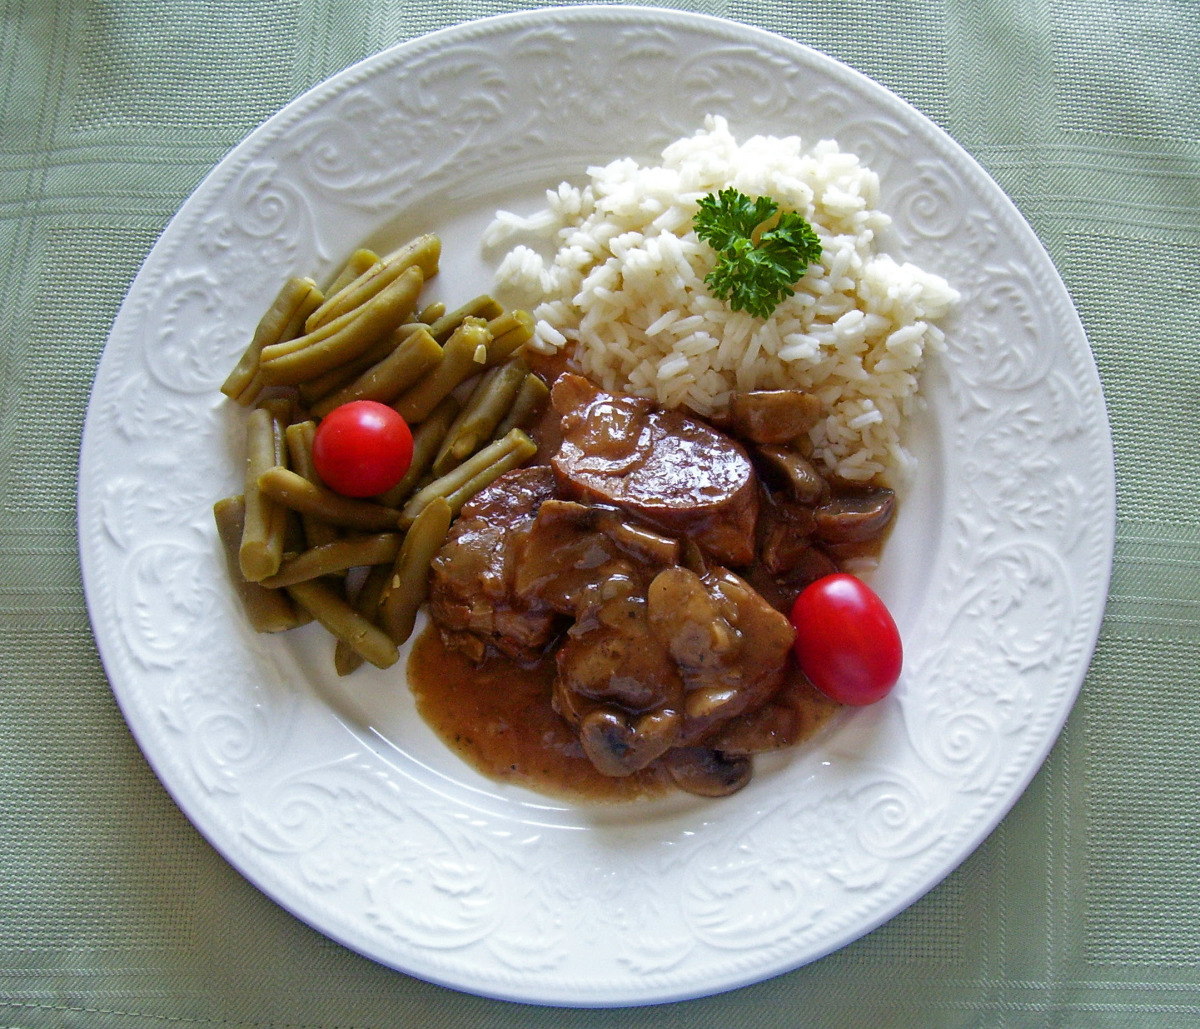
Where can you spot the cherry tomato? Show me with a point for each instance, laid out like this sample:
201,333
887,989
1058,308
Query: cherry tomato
847,642
362,448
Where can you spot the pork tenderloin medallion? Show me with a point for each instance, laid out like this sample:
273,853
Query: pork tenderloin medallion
472,596
671,471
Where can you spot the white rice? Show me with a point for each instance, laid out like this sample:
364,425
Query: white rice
619,280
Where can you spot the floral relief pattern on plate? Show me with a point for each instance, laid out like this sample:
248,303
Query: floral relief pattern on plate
332,796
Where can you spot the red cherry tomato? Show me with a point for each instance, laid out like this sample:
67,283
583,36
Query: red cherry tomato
362,448
846,640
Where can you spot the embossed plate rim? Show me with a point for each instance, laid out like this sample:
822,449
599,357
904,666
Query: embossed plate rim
115,570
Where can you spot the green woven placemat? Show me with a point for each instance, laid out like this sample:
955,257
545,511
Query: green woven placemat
1078,911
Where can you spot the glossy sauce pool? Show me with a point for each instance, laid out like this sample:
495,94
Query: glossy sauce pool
498,718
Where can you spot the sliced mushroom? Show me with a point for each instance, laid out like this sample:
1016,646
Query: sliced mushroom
855,517
773,416
645,544
709,702
782,547
813,564
618,745
708,773
638,541
795,471
611,657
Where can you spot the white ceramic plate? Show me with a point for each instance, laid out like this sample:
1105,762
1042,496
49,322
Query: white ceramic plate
332,796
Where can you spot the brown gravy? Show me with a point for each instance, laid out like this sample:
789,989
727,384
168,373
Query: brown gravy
497,717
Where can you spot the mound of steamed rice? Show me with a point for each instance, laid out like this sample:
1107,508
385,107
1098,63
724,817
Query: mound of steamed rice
617,276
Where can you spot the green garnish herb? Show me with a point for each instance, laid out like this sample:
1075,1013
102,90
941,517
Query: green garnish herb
754,273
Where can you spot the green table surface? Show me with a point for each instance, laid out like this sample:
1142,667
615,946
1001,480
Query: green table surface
1081,908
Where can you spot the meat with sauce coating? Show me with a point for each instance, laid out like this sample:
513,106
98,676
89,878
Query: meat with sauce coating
472,598
668,470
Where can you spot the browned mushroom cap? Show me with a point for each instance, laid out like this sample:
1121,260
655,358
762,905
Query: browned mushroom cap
855,517
795,471
708,773
618,746
773,415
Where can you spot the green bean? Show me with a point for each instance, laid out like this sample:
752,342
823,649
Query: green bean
488,404
253,388
390,377
459,485
527,404
511,331
291,490
291,331
409,583
371,323
338,556
483,306
518,451
409,329
261,548
299,443
295,301
281,407
430,313
462,357
422,253
366,604
317,389
427,438
320,387
358,262
323,602
267,610
294,541
303,340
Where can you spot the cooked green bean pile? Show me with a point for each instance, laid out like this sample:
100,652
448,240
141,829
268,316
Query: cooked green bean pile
299,552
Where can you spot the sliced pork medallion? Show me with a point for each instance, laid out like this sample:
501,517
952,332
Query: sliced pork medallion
574,551
665,468
472,596
730,646
650,667
617,684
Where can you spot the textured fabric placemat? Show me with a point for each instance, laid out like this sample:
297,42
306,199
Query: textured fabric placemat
1080,910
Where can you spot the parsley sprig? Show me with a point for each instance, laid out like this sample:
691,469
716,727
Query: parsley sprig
754,274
